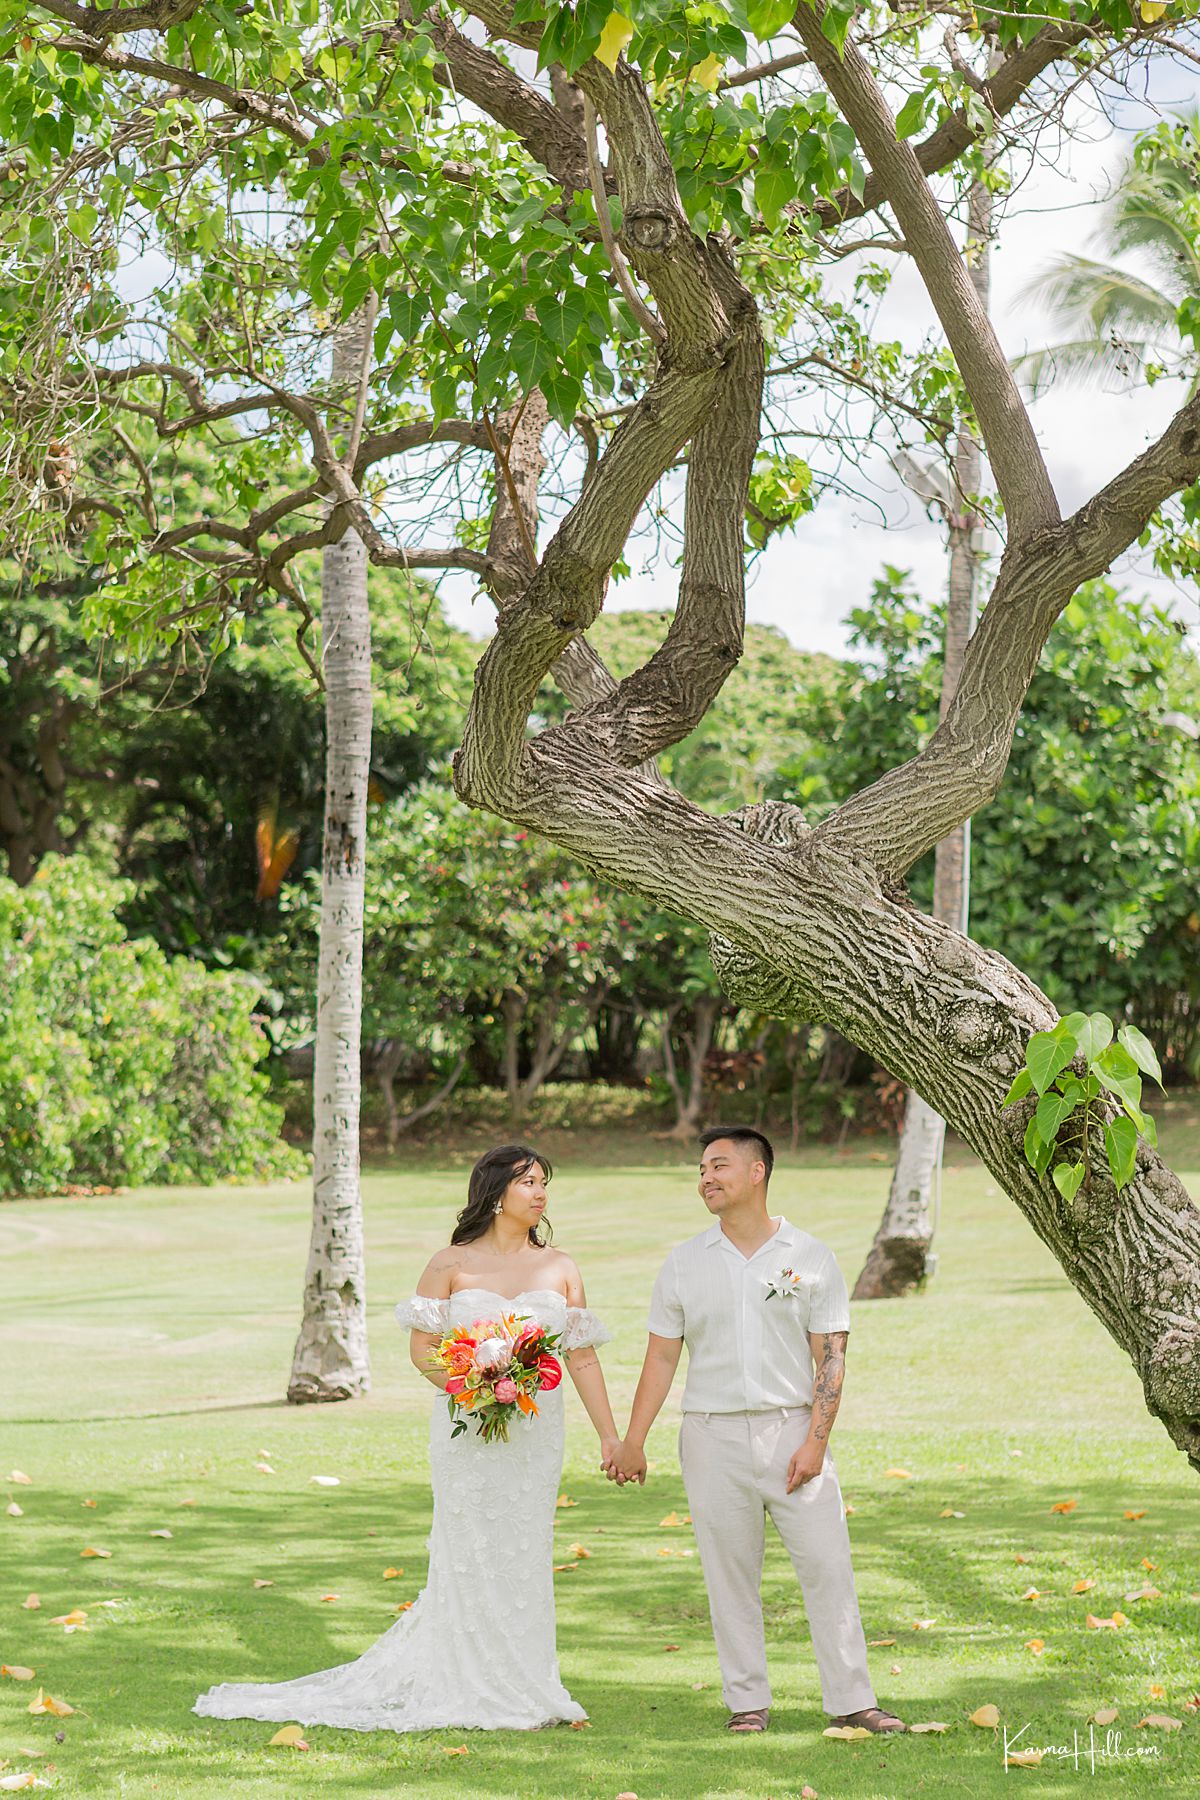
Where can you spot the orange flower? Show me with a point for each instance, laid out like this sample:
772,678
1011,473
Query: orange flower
525,1403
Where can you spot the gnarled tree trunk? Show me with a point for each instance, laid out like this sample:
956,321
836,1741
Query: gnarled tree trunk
815,924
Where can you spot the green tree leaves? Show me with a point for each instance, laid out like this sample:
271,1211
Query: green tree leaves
1067,1101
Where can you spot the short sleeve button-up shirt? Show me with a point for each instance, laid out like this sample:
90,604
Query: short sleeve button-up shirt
748,1351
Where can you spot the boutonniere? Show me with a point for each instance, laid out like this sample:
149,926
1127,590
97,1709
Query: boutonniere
786,1284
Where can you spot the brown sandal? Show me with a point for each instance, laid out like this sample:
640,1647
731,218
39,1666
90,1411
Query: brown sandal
872,1718
755,1720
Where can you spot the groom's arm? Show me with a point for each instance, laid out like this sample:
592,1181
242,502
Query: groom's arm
654,1384
829,1372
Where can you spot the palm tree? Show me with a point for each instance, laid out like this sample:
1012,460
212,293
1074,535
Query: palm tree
1121,320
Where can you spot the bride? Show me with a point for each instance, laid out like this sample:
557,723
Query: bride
477,1647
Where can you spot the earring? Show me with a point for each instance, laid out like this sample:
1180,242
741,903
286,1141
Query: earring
498,1208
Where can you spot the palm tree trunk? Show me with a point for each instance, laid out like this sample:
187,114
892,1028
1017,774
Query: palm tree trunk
330,1360
901,1256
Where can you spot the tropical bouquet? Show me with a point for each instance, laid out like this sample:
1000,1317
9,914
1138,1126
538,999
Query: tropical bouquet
495,1367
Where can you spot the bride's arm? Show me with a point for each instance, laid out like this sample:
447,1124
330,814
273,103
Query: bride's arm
433,1285
588,1376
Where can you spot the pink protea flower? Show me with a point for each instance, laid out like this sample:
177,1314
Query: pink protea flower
506,1390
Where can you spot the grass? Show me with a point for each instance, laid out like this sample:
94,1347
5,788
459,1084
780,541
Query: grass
144,1341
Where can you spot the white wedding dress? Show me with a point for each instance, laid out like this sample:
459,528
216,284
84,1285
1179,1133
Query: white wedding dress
477,1648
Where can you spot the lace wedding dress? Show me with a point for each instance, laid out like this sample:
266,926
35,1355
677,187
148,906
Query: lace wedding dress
477,1648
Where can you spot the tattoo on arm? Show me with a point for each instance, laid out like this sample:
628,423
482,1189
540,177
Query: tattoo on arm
827,1382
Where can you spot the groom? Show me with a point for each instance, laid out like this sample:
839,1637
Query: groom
763,1310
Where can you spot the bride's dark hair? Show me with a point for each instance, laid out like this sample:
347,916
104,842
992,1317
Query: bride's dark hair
489,1179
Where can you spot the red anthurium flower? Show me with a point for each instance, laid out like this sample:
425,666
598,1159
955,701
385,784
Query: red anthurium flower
550,1370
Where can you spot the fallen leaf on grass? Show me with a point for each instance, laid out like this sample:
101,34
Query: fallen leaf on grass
14,1511
91,1552
1105,1716
849,1510
46,1703
930,1725
879,1643
1160,1722
26,1779
923,1624
459,1750
895,1669
164,1533
1021,1557
846,1731
1094,1624
897,1474
31,1604
948,1512
259,1582
92,1504
668,1550
1130,1514
1064,1506
987,1716
698,1687
112,1603
405,1606
290,1737
1023,1759
326,1480
1192,1704
20,1478
1156,1691
579,1551
1083,1587
188,1502
16,1672
562,1568
1143,1593
264,1468
1148,1565
808,1793
666,1647
671,1519
1032,1594
580,1724
391,1574
1037,1645
563,1501
76,1616
327,1599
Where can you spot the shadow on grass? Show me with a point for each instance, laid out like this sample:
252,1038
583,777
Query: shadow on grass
189,1616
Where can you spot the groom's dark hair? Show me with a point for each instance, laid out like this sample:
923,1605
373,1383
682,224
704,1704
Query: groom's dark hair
743,1134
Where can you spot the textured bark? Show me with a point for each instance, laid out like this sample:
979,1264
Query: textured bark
330,1360
901,1256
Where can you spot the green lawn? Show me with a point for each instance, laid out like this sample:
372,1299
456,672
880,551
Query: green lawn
144,1342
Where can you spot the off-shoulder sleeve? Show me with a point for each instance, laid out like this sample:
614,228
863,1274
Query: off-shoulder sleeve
584,1328
423,1314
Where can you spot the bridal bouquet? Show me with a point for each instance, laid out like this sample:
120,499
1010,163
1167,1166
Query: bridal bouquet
496,1366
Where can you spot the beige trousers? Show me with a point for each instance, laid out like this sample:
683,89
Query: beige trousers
735,1473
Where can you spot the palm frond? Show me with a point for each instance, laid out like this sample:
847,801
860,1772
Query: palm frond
1089,360
1096,299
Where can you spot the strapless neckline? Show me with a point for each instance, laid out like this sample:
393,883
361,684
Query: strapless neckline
509,1299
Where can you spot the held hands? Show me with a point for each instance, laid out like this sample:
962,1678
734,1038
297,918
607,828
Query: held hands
806,1463
623,1462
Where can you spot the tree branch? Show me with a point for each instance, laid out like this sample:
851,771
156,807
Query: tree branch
897,819
1008,433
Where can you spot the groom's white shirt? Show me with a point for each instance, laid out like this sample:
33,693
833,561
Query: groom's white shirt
748,1352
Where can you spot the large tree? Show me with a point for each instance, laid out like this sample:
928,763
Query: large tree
744,146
